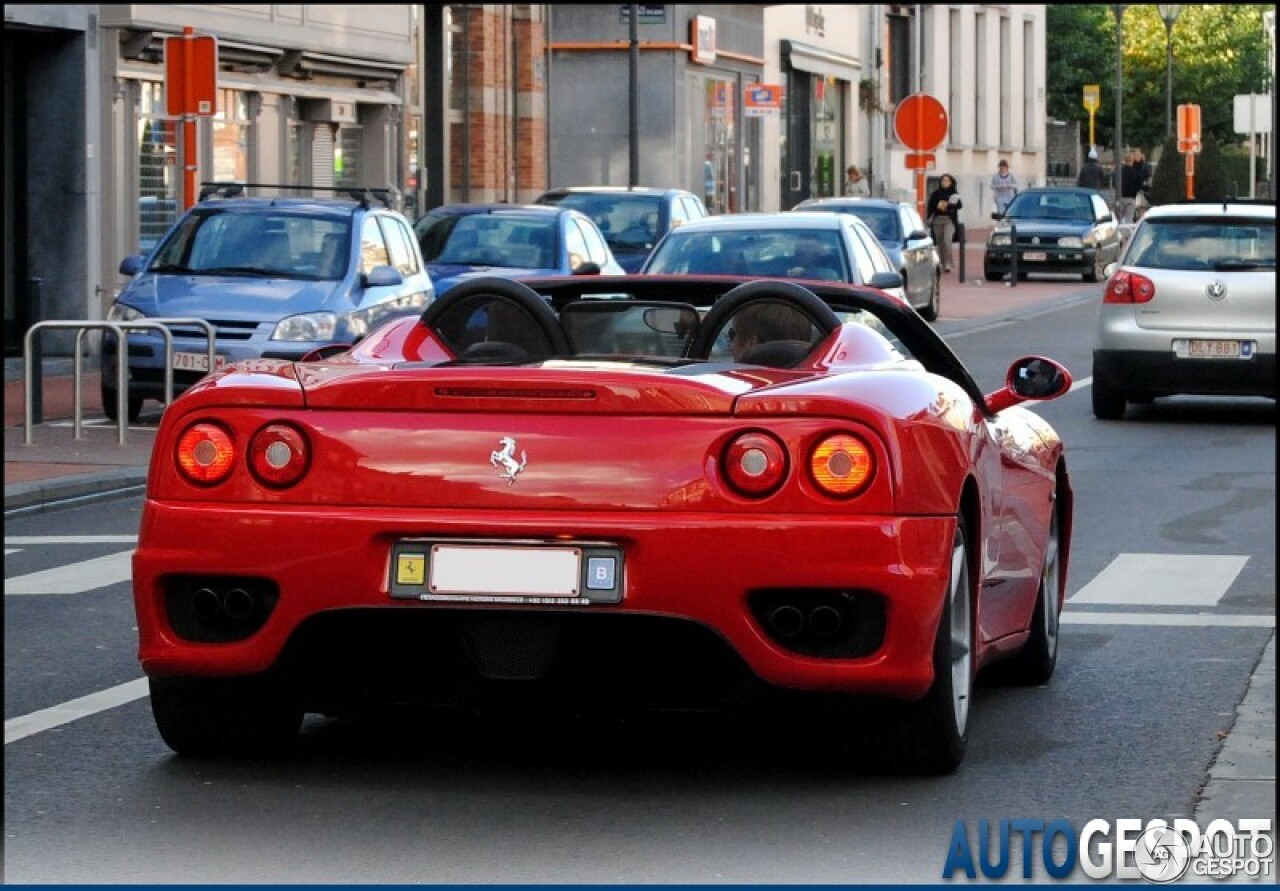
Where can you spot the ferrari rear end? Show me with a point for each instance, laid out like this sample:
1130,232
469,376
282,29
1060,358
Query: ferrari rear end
471,536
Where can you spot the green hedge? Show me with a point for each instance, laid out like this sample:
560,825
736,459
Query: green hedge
1220,173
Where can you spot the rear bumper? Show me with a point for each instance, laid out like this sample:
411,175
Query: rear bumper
702,570
1149,373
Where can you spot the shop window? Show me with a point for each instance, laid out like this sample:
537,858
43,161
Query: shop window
826,122
230,131
346,158
157,161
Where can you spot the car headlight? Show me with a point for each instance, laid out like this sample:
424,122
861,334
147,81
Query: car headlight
999,239
123,312
1070,241
308,326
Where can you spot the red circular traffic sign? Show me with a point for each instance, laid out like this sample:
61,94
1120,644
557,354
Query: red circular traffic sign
920,122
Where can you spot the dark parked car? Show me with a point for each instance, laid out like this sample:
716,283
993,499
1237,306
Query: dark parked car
904,237
278,277
1068,230
632,220
462,241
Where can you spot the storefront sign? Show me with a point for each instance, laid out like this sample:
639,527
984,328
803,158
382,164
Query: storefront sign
762,100
702,34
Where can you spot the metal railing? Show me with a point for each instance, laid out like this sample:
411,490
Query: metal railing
120,329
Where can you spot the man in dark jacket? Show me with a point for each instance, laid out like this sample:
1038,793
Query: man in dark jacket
1132,176
1091,176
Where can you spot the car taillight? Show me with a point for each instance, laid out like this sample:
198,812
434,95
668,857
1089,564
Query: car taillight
279,455
206,453
755,464
841,464
1129,287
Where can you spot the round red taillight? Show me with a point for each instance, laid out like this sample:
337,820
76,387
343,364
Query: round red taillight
279,455
206,453
841,464
1129,287
755,464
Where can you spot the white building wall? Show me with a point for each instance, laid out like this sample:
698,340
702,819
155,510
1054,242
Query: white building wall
843,29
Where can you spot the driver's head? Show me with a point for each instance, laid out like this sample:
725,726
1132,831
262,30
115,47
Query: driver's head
764,321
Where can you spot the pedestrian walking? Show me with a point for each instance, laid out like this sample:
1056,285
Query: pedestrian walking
1004,185
1131,178
944,217
855,184
1091,173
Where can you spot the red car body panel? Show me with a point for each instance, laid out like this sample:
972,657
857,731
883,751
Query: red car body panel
624,453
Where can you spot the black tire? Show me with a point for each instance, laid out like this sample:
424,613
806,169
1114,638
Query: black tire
1108,402
109,407
1036,661
215,717
930,736
991,275
1094,272
931,309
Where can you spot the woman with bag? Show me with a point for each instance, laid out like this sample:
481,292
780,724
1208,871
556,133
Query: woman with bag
944,217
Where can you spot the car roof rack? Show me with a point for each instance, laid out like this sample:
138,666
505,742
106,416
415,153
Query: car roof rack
365,195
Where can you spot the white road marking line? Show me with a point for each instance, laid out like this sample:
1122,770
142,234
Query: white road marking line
68,539
1163,580
1081,384
1170,620
8,551
55,716
73,578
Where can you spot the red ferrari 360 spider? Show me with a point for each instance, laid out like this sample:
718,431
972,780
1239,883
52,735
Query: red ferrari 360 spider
660,492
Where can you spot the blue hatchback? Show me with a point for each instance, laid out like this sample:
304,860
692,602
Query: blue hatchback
277,277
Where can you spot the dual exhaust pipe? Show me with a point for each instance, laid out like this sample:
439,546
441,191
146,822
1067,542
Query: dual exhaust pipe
235,605
789,622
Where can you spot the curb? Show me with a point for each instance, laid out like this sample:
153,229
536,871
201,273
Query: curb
98,486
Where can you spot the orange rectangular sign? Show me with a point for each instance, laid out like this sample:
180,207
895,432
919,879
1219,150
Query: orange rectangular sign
191,87
1188,128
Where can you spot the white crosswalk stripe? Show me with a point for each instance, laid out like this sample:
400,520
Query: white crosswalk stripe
1163,580
74,578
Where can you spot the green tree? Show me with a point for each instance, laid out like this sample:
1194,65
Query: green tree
1219,51
1210,182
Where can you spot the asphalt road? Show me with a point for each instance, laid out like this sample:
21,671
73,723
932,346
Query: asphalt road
1172,600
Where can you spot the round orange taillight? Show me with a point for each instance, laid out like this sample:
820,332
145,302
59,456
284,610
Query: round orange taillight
755,464
206,453
279,455
841,464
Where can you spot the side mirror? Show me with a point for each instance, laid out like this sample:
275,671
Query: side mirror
997,215
587,268
132,264
886,281
918,235
382,277
1030,378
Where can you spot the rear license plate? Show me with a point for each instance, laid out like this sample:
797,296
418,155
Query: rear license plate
536,572
195,362
506,572
1035,256
1213,349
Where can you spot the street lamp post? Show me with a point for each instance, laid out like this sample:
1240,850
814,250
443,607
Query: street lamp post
1118,9
1168,12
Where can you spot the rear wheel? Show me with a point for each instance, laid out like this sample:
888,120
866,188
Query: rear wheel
210,717
1108,402
930,736
110,407
930,311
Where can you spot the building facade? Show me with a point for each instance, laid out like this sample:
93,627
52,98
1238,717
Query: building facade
752,107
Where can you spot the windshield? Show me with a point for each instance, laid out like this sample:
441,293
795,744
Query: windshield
1067,206
883,222
481,239
628,222
1221,245
783,253
274,243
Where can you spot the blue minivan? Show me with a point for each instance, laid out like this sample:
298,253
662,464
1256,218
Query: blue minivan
277,277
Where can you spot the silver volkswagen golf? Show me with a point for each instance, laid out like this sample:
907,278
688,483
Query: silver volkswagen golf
1191,308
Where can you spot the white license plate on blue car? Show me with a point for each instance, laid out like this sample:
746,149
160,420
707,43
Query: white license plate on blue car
196,362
